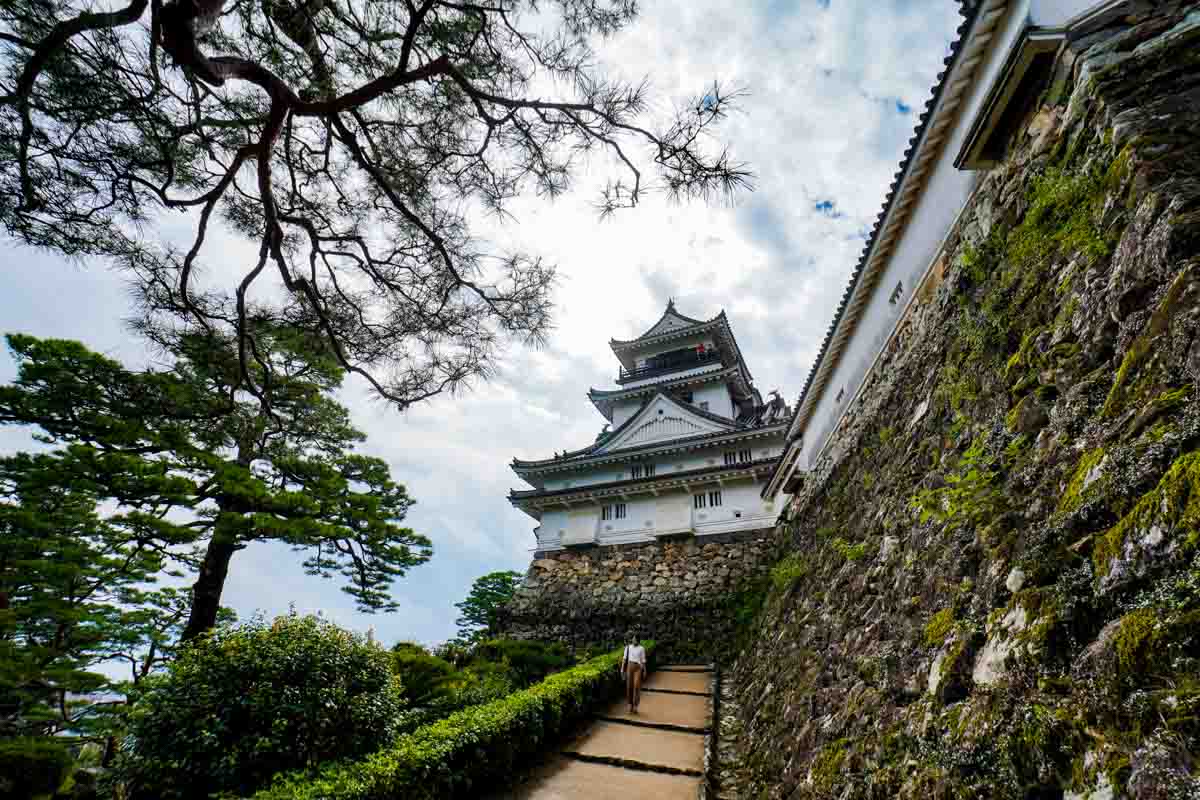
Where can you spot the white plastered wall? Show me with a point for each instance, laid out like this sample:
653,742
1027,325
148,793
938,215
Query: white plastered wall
942,199
648,516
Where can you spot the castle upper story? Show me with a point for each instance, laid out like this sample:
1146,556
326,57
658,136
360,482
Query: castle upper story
687,446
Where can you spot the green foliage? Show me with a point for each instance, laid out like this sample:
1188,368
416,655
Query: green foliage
1144,345
788,571
186,442
371,239
850,552
33,768
527,661
1062,217
1072,497
827,766
425,677
469,753
75,592
939,627
970,495
245,702
481,609
1134,635
1174,504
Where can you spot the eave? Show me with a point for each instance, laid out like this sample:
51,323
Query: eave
532,471
605,399
538,499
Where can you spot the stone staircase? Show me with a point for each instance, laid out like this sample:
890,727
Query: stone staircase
660,752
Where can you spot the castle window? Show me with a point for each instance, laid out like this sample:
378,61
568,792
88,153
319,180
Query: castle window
643,471
685,397
896,293
714,498
699,500
745,455
616,511
730,458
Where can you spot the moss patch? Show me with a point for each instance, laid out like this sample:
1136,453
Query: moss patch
1173,505
1143,346
1073,495
939,627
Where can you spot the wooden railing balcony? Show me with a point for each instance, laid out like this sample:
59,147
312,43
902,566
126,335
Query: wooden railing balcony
669,362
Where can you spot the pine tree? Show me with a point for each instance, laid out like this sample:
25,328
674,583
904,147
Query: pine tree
198,462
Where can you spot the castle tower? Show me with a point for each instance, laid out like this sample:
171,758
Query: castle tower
687,451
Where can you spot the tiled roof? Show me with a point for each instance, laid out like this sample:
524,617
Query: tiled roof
743,423
671,311
967,10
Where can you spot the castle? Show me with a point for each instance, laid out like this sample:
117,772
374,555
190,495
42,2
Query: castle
690,447
688,426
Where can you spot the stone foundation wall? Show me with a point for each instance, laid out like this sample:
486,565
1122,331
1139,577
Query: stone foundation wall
995,583
684,594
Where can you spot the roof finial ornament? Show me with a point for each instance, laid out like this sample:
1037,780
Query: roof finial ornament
670,304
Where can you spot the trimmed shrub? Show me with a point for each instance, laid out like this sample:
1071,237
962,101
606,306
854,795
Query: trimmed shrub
247,702
32,768
472,751
425,677
529,661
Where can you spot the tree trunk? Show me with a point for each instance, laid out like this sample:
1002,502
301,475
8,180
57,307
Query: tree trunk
206,592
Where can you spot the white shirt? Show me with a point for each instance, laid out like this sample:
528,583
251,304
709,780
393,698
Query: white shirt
636,654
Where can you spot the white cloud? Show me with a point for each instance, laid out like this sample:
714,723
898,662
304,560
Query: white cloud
822,123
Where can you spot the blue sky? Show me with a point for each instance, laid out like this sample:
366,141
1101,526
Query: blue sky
834,93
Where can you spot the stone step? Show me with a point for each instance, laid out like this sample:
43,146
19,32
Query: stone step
662,708
633,765
677,691
696,682
661,726
635,747
565,778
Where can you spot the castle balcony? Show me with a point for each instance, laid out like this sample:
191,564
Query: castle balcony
674,361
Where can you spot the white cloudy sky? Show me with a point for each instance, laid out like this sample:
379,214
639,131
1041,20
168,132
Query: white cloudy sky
835,89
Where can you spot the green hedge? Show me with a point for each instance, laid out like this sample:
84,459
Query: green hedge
478,748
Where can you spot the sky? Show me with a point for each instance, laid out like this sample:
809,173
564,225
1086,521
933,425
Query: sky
834,88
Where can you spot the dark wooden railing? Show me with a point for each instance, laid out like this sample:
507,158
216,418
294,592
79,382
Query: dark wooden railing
669,362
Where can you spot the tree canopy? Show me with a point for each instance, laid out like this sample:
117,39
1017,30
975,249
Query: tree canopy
199,469
350,142
481,608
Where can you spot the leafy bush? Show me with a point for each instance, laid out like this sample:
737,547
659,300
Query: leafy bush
246,702
529,661
32,767
425,677
970,495
788,571
478,747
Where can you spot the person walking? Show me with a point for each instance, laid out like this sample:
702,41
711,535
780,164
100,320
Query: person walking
633,669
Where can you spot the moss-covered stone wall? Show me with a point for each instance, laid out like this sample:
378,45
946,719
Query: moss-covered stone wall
693,596
995,591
